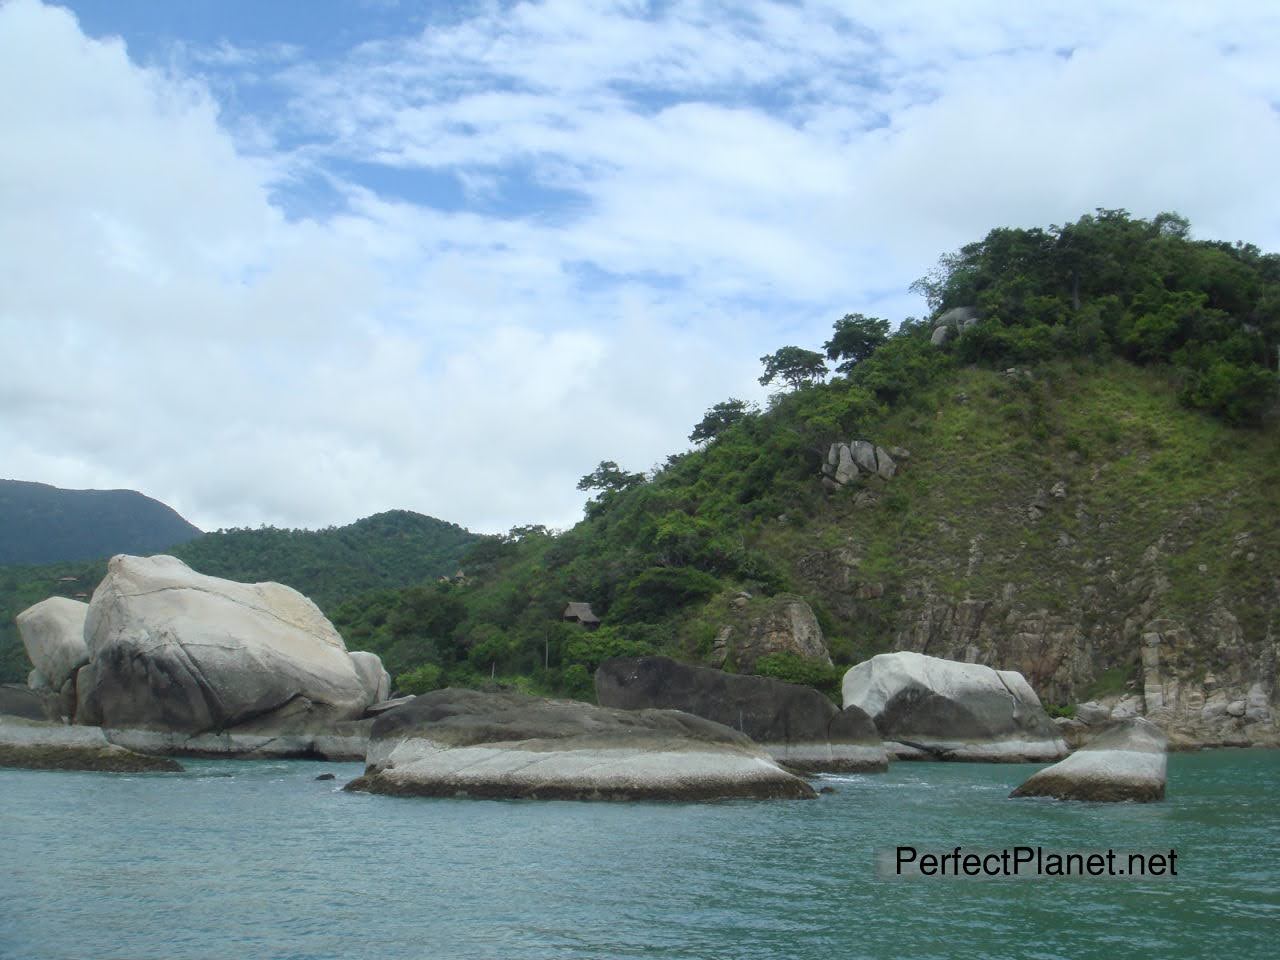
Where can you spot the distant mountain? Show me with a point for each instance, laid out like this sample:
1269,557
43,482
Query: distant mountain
44,524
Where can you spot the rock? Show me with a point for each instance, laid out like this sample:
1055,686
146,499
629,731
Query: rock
173,650
720,646
786,626
347,740
797,725
53,746
957,316
864,455
1128,707
373,676
885,466
1235,708
940,336
29,704
326,776
37,681
1125,763
900,453
510,745
382,706
53,634
925,707
1092,712
846,468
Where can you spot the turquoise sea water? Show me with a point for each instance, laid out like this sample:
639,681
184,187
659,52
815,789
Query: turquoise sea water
257,859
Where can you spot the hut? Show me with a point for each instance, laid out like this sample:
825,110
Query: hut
580,613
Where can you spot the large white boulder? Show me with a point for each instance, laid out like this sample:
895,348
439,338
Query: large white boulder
1128,762
53,633
171,649
929,708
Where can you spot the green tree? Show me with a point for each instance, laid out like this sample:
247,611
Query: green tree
856,337
608,477
793,365
720,418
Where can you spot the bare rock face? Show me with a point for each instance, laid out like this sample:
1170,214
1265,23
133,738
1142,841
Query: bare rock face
858,460
1127,762
174,650
797,725
508,745
53,633
927,708
786,626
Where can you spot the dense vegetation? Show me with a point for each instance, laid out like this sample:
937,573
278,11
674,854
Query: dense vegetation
1113,323
44,524
386,551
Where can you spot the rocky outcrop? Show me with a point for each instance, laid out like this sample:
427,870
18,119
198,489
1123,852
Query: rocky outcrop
373,676
174,651
952,323
28,703
927,708
1126,763
346,741
53,746
510,745
52,632
857,461
797,725
781,624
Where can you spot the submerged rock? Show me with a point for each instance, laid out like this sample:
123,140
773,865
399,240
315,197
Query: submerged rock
510,745
53,746
927,708
52,632
1128,762
797,725
174,650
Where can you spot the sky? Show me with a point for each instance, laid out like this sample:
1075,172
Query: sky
296,263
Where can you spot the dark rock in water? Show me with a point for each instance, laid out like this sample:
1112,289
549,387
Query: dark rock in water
826,789
929,708
510,745
21,701
1127,762
326,776
53,746
797,725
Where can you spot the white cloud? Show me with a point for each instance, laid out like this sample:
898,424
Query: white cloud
742,175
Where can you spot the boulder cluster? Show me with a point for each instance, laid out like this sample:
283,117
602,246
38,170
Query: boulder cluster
164,660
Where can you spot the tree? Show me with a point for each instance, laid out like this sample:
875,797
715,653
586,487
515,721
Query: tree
720,418
856,338
795,365
608,477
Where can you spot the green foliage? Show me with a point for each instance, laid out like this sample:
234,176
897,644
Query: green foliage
593,647
720,418
856,337
610,478
796,669
794,366
421,679
658,591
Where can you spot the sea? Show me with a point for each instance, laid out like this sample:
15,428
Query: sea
258,859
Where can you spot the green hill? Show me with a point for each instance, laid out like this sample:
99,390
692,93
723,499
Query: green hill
385,551
1094,469
44,524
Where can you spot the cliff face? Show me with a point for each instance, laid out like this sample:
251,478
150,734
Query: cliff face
1077,526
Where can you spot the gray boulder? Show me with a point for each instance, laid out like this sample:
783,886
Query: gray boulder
1127,762
509,745
929,708
53,746
797,725
28,703
786,625
52,632
373,676
940,336
173,650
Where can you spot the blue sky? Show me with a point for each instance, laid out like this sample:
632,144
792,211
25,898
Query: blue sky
297,262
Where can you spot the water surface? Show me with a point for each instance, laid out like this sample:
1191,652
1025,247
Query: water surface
238,859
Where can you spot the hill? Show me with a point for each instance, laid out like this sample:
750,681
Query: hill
1088,492
385,551
44,524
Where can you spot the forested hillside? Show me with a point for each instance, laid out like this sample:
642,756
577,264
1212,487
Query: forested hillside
1089,451
44,524
388,550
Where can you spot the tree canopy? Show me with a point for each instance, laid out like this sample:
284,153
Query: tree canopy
795,366
719,419
856,337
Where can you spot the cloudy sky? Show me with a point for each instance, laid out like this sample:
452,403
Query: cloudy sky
299,262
